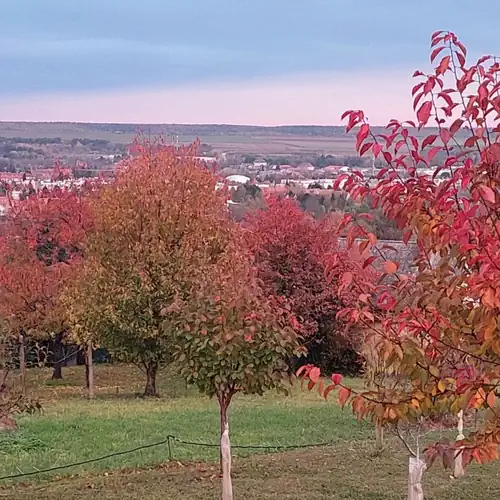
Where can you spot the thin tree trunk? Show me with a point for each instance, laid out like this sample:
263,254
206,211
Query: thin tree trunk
151,371
4,368
415,473
22,362
58,356
89,365
223,421
225,448
379,437
458,470
87,374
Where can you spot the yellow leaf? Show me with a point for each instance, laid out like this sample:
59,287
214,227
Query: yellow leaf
434,371
442,386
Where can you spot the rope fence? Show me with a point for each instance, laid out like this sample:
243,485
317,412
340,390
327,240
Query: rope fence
168,441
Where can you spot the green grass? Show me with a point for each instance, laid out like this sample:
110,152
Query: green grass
72,429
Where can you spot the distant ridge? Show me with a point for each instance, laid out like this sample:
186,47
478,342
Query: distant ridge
194,129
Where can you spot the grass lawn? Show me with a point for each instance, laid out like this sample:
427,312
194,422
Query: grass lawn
73,429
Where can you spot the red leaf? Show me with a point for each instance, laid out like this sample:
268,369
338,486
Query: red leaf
314,374
387,156
447,98
461,60
455,126
482,92
337,378
436,33
424,112
417,98
390,267
488,194
344,394
435,53
365,148
470,141
377,148
429,140
362,134
416,88
345,114
443,65
328,390
369,261
433,152
445,135
461,46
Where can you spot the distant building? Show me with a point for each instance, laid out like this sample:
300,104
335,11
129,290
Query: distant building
306,166
260,164
237,179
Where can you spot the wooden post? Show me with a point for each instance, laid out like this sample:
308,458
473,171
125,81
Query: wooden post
458,470
225,446
90,368
22,363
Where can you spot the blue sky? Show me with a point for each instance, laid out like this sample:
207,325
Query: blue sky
84,49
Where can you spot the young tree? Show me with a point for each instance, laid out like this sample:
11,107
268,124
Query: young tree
439,328
303,261
157,226
231,337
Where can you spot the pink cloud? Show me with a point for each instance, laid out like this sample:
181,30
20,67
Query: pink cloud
315,98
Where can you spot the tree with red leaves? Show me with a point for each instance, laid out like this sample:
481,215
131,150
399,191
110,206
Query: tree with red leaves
302,260
437,329
41,240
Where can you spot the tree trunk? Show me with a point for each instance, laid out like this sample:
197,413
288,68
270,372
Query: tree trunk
151,370
22,362
416,471
458,470
89,368
225,448
4,367
58,357
379,437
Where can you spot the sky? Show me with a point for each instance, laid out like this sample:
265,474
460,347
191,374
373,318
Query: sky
261,62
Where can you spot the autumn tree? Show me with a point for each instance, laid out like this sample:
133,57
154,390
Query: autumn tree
157,226
41,240
232,337
439,327
303,261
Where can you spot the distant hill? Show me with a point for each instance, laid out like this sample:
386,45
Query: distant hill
241,139
184,129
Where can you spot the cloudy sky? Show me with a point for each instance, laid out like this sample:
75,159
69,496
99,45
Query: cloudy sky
223,61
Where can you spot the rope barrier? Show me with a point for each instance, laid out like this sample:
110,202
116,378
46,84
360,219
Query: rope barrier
167,441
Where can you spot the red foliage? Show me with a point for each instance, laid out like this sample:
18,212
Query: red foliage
303,260
43,235
439,328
